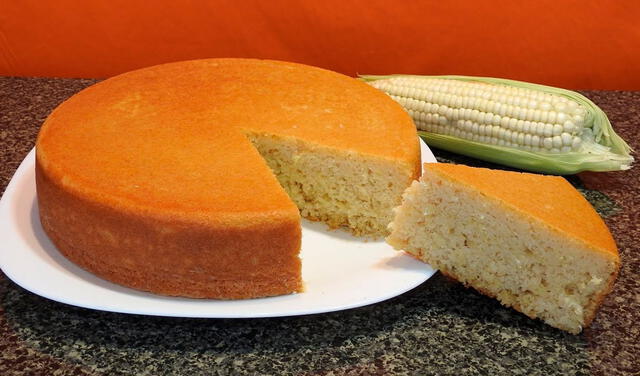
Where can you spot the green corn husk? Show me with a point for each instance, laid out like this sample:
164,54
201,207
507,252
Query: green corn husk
602,149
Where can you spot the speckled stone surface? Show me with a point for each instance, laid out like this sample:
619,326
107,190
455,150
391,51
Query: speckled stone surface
439,328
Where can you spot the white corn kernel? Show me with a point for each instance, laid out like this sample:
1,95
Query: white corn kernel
560,106
557,129
576,143
507,135
527,139
496,120
495,132
578,120
569,126
535,140
561,118
544,116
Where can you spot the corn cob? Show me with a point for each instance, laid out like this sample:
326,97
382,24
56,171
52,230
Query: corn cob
518,124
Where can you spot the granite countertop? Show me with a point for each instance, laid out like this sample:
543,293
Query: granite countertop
439,327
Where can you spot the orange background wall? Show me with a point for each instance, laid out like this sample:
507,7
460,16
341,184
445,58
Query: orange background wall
577,44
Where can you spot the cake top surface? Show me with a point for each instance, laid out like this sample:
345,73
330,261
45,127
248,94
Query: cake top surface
551,199
173,136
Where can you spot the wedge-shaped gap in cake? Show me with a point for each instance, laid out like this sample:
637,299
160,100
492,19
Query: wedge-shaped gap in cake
340,188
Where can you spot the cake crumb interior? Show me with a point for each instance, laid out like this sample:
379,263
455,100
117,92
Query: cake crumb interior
342,189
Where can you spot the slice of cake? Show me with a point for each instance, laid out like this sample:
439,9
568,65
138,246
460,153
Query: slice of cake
531,241
190,178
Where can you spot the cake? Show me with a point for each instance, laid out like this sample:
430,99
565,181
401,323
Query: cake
531,241
190,178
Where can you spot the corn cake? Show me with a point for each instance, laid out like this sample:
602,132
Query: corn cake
531,241
189,178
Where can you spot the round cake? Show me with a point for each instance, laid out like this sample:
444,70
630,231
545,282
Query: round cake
189,178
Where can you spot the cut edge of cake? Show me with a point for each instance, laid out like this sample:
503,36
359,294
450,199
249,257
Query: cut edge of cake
343,189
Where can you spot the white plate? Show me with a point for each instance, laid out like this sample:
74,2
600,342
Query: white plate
339,271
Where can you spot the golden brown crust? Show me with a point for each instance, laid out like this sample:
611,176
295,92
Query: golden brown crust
564,205
148,180
171,257
596,301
